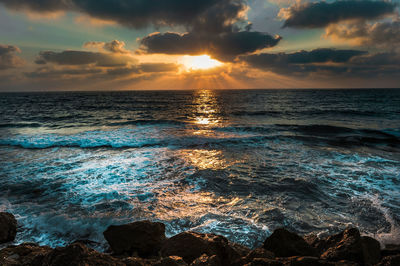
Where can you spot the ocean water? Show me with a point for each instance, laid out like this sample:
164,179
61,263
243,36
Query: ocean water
238,162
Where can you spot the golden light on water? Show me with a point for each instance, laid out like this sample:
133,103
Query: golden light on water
199,62
206,159
206,111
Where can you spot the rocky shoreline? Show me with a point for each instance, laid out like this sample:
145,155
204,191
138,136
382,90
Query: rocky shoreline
144,243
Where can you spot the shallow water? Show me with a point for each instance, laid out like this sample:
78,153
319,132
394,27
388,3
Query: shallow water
236,163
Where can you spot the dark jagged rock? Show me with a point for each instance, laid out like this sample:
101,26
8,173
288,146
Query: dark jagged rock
345,263
371,250
24,254
306,261
393,260
171,261
8,227
191,245
264,262
347,248
242,250
205,260
286,244
349,245
143,237
135,261
312,239
391,250
80,255
253,254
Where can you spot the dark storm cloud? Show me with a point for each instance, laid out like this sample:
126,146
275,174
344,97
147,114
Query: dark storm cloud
8,57
378,59
329,63
84,72
319,60
321,14
51,73
37,5
82,58
218,27
224,46
93,65
303,57
209,14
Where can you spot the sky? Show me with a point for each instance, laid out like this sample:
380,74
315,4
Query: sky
62,45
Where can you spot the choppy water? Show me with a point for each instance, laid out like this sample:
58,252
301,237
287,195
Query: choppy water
236,163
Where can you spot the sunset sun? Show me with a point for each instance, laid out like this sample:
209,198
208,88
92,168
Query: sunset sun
200,62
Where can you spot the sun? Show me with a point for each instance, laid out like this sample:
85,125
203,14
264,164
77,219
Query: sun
199,62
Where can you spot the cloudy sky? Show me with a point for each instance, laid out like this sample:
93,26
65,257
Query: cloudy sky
191,44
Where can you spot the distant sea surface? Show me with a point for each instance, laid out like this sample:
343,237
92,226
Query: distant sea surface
236,162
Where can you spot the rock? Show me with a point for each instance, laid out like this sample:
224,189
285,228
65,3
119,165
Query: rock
286,244
311,239
191,245
349,245
78,254
253,254
264,262
371,250
24,254
171,261
393,260
345,263
306,261
242,250
143,237
390,250
205,260
8,227
135,261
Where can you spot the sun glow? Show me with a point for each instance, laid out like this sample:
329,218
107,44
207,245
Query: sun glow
200,62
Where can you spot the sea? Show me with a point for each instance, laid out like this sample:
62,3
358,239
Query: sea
238,163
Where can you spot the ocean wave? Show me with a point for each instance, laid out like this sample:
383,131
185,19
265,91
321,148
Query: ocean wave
334,135
19,125
147,122
256,113
177,136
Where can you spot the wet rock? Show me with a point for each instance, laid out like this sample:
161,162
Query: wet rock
79,255
306,261
345,263
349,245
171,261
253,254
143,237
240,249
390,250
136,261
286,244
191,245
24,254
393,260
205,260
371,250
264,262
312,239
8,227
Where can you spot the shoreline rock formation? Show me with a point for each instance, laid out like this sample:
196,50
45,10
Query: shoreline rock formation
143,243
8,227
